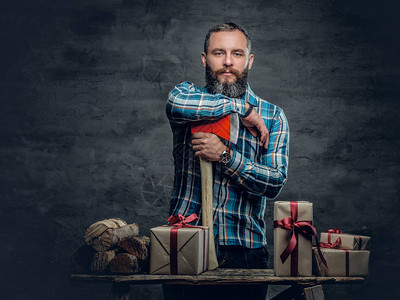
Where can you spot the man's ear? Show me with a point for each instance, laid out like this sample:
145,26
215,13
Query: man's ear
204,59
251,59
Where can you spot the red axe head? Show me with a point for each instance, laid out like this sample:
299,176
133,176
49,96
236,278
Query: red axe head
226,127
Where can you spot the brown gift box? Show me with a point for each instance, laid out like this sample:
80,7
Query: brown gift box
347,241
192,250
342,262
282,209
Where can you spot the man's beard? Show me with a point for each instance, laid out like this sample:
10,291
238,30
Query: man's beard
232,90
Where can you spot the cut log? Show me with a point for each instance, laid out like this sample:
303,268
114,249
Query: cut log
96,229
101,261
138,246
125,263
110,238
82,259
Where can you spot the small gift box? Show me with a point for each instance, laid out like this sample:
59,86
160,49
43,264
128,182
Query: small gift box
345,240
179,248
293,233
342,262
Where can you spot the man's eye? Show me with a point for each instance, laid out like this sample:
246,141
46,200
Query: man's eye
218,53
238,54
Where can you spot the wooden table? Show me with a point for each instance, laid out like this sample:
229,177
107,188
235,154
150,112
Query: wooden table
301,287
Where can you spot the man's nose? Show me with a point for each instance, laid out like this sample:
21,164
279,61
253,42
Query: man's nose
228,61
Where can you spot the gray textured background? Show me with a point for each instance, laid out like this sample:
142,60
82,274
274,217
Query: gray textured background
84,135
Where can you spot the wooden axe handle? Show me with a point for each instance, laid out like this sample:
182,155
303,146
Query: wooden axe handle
207,209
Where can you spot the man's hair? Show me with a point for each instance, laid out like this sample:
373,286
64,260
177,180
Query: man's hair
226,27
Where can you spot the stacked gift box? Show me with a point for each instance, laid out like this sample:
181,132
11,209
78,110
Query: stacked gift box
345,254
338,254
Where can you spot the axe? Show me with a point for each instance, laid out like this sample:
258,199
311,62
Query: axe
227,128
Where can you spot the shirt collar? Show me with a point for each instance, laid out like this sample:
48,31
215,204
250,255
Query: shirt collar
249,96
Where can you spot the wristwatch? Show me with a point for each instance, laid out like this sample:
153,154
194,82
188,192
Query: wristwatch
225,156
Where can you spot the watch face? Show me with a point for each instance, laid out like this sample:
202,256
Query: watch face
225,157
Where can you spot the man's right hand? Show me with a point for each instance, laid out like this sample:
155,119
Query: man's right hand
255,124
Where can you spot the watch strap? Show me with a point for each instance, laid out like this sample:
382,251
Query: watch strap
248,112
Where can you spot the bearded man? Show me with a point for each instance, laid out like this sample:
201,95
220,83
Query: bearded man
245,174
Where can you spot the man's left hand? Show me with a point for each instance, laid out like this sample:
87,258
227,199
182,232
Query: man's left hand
207,146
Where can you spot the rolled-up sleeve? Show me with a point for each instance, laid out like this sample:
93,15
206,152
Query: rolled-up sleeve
268,176
188,103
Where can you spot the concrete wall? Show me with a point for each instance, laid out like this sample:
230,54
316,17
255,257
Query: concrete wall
84,135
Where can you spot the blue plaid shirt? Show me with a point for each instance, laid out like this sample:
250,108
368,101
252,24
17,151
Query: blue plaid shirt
241,187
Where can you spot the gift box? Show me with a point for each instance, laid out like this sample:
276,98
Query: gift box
293,238
342,262
178,250
347,241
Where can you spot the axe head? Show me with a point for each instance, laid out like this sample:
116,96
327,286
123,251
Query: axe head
226,127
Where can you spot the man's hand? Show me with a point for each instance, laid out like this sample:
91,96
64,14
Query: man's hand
255,124
207,146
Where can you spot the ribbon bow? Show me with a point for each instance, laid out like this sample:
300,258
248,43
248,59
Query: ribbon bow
181,221
335,230
329,245
304,227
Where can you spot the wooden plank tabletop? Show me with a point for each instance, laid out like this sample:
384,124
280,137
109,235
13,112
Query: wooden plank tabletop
219,276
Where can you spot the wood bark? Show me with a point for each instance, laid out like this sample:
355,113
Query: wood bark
110,238
96,229
125,263
101,261
138,246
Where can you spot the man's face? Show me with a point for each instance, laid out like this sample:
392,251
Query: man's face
227,62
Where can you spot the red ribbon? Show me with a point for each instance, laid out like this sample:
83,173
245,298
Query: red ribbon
335,230
296,227
181,221
335,245
330,231
329,244
178,222
338,231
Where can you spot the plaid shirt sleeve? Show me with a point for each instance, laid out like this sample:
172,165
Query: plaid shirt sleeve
268,176
187,103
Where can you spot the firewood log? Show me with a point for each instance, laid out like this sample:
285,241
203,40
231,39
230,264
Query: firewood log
125,263
82,259
101,261
138,246
110,238
97,229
